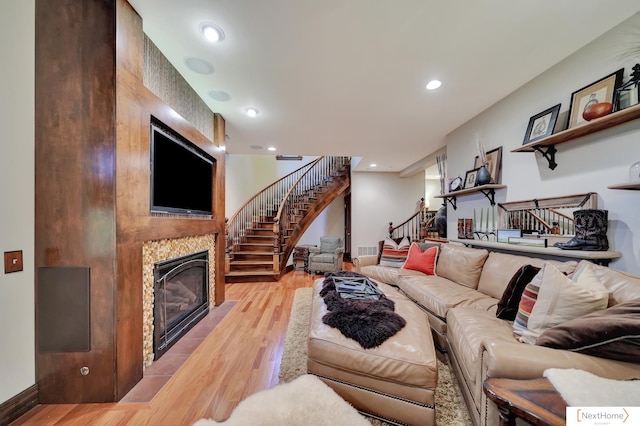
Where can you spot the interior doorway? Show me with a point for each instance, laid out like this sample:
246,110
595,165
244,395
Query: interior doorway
347,226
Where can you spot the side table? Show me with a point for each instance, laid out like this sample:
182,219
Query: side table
535,401
301,257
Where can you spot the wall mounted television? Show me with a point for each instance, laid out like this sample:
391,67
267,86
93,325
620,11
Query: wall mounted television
181,175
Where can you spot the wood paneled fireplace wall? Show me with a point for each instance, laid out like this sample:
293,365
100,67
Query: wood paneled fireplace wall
92,156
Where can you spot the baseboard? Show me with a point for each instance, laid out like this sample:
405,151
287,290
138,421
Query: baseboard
15,407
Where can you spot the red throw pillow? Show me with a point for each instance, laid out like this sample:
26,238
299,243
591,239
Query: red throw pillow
423,261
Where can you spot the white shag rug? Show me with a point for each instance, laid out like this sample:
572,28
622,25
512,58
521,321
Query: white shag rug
580,388
303,401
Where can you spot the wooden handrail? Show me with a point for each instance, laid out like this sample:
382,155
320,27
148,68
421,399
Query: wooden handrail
415,226
268,187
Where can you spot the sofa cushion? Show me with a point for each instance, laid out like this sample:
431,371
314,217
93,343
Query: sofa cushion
460,264
330,244
499,268
394,254
324,258
510,300
612,333
387,274
624,287
560,299
437,295
423,261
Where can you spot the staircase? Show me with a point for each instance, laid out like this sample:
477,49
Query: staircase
261,235
418,227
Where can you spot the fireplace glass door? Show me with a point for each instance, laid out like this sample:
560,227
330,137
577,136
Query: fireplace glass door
181,298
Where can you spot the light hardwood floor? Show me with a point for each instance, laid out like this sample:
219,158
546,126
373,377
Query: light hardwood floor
239,357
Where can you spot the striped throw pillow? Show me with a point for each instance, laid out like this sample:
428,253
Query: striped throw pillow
527,301
395,254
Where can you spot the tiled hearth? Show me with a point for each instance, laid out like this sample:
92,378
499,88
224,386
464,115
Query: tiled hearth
159,372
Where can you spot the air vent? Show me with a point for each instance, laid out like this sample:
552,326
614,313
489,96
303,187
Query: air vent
367,250
289,157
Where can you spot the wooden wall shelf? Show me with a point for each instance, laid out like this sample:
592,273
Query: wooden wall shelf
598,257
488,190
633,186
547,145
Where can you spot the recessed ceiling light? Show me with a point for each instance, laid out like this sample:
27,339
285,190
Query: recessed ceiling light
271,148
373,165
211,32
251,112
434,84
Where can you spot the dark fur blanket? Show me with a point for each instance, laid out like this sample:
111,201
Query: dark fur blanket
368,322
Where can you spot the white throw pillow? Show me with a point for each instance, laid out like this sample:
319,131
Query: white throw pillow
560,299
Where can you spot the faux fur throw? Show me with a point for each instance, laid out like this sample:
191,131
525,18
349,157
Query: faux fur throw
368,322
583,389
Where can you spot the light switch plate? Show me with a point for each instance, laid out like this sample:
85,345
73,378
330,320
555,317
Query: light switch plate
12,261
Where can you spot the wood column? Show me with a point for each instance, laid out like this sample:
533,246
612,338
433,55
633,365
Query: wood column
75,221
92,154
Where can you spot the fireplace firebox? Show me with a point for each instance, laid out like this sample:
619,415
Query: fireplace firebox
181,298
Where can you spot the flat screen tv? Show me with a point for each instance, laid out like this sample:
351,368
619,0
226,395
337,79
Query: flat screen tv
181,175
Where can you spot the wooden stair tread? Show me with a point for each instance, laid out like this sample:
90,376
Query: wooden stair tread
245,252
251,273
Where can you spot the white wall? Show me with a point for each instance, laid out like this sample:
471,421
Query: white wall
380,198
588,164
329,222
17,325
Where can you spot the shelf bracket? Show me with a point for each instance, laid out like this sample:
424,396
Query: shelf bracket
549,153
490,194
452,201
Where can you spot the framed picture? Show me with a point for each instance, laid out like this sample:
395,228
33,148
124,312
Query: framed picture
494,164
541,125
602,90
470,179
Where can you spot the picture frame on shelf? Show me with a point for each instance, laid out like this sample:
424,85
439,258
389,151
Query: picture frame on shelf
470,178
541,125
602,90
494,164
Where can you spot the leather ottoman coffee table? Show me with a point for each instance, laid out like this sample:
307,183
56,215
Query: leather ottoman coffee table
394,381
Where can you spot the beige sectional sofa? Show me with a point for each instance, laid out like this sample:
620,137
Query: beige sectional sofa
460,302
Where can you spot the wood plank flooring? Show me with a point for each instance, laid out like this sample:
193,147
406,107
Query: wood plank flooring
238,358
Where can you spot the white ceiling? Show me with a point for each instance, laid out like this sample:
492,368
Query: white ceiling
347,77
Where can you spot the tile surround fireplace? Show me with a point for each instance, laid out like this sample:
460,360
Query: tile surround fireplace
164,252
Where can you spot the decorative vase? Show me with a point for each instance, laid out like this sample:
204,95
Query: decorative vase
597,110
440,221
634,172
483,177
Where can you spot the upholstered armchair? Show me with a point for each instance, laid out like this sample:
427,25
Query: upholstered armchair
327,257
